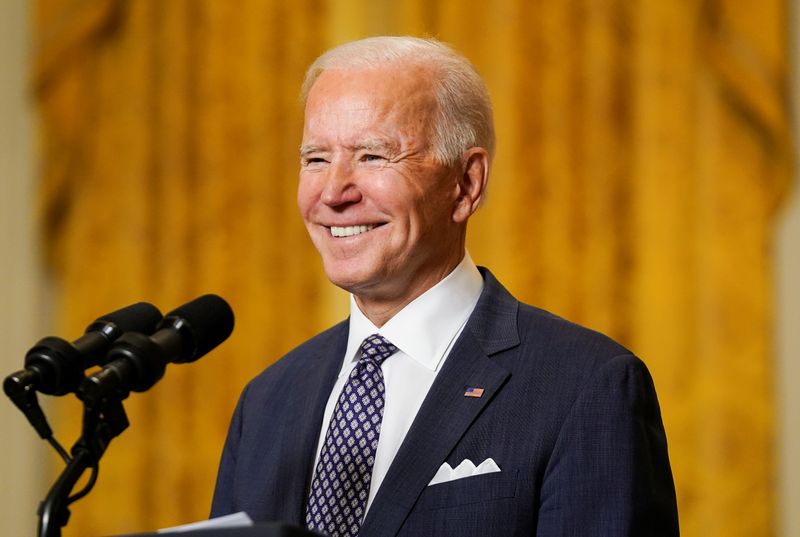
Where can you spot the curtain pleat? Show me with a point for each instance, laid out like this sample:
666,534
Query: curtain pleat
643,150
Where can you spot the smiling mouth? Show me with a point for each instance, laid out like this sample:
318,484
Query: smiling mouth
349,231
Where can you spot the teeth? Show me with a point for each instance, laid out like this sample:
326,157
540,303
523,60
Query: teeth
349,231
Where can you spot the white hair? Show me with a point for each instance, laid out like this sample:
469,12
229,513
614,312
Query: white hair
464,110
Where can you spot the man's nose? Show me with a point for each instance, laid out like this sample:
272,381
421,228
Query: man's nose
340,185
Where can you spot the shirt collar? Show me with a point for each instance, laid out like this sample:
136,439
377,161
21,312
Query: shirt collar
426,327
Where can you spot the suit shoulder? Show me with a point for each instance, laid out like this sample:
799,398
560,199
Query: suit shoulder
321,342
565,360
552,330
300,358
500,321
566,350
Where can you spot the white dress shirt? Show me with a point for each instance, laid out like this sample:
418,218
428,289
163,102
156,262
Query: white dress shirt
424,332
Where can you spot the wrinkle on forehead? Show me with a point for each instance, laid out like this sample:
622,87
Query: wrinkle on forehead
398,98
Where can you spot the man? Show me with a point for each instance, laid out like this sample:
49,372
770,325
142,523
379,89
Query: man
442,406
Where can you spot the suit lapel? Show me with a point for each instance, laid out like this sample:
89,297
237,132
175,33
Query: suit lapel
446,413
307,402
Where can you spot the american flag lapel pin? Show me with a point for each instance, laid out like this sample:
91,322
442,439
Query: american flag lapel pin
473,392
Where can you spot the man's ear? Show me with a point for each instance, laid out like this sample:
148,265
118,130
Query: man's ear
471,183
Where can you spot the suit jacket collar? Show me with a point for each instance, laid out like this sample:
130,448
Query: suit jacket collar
494,321
309,395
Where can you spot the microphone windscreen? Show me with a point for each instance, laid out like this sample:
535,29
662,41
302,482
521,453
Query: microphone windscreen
141,317
204,323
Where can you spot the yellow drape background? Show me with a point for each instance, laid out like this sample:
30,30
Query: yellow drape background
643,151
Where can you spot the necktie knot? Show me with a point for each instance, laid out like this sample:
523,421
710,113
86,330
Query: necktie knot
376,348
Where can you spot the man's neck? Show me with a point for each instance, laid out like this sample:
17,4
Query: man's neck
380,308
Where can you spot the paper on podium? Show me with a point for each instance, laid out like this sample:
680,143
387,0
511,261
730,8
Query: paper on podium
236,520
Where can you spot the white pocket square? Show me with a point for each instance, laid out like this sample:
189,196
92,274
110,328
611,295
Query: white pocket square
466,469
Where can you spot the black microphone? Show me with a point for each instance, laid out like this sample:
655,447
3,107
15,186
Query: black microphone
136,361
55,366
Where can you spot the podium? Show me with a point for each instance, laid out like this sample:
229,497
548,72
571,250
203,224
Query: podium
271,529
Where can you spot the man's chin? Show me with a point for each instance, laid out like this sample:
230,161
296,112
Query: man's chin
351,281
364,281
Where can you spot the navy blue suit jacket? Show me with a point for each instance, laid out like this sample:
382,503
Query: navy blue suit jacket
570,417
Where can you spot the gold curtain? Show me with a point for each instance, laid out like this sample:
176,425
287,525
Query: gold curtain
643,151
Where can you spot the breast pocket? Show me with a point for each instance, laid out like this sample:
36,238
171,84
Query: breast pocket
481,506
469,490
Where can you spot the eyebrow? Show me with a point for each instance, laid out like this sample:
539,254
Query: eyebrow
307,149
376,144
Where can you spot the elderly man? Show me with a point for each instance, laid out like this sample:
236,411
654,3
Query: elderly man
442,406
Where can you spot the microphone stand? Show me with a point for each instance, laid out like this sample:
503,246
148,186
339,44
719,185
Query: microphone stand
101,423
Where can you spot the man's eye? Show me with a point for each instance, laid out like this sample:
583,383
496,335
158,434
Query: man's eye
371,158
313,160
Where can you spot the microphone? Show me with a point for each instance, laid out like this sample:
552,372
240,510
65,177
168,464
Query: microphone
136,361
54,366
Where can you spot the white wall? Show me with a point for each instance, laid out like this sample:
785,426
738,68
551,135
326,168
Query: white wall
23,458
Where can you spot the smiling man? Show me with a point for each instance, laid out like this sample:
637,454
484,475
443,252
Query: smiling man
442,406
387,214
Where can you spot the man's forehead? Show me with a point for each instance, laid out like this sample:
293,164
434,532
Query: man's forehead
368,109
402,80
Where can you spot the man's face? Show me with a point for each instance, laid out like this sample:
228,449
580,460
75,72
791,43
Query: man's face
377,206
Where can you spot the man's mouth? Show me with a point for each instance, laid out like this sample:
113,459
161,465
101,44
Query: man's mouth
349,231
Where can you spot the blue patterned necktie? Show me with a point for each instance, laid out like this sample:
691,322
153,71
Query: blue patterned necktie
340,487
